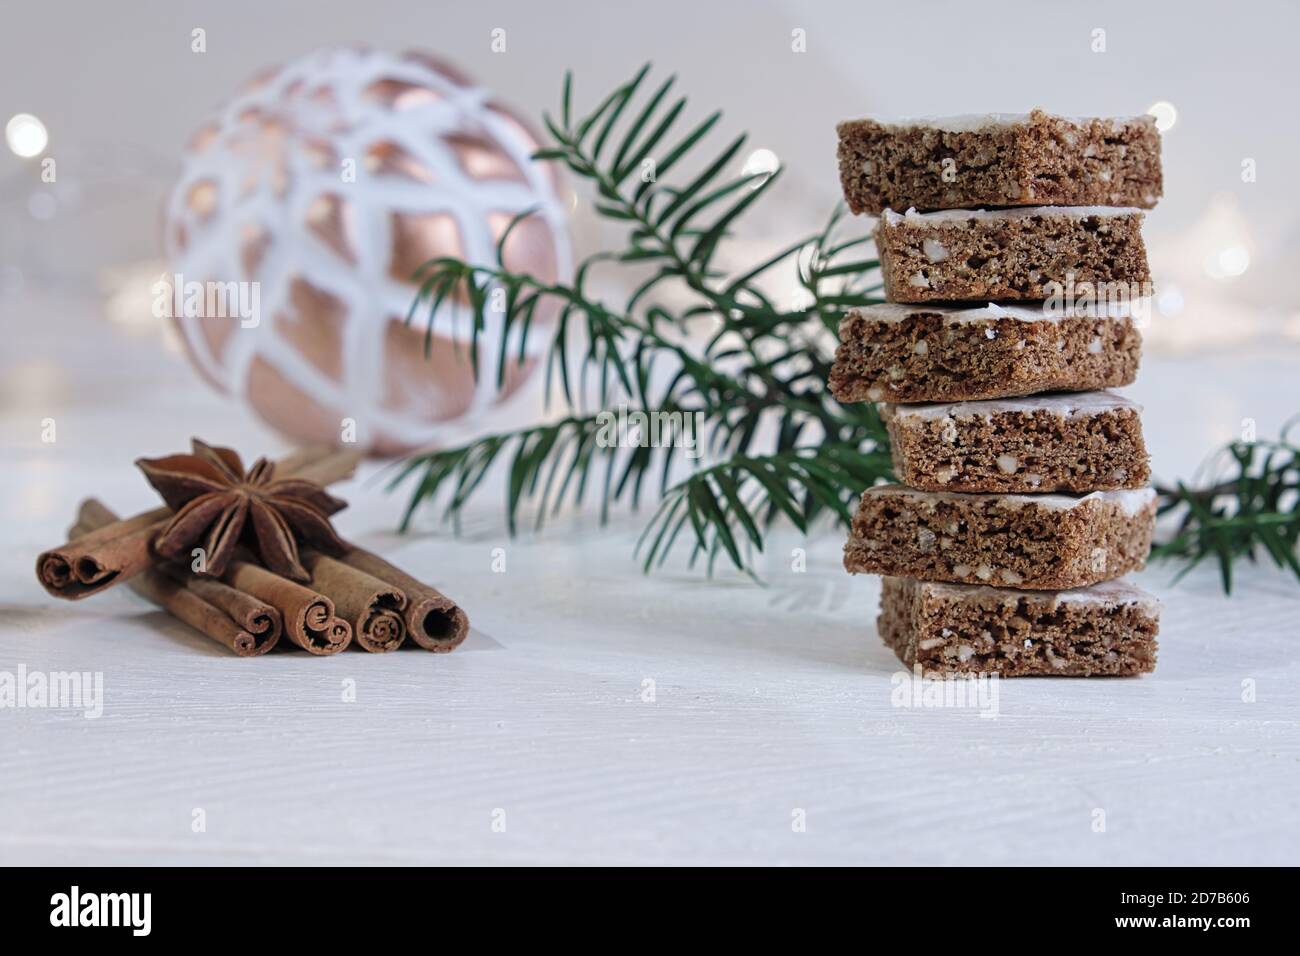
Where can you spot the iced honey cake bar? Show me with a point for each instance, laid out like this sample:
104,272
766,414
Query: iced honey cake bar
1076,442
1021,541
999,159
1106,629
1028,254
912,353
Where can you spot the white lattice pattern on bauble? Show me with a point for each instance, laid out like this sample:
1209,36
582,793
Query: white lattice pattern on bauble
263,197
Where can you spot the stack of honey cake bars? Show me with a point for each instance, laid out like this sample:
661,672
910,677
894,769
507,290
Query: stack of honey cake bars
1014,274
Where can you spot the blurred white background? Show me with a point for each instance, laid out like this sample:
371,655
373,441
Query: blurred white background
119,92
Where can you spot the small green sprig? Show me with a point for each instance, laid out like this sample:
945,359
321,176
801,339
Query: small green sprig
1251,505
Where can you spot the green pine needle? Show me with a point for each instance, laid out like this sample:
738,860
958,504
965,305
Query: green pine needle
1252,507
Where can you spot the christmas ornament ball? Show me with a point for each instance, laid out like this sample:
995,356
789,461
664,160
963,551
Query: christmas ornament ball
304,207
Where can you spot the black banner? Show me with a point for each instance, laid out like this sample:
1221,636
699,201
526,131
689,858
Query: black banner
340,906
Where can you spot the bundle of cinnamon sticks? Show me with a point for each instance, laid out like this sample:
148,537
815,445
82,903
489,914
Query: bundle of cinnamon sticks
354,595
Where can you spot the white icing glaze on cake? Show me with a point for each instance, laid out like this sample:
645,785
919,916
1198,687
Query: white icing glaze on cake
973,122
1131,500
914,218
1063,404
1110,593
898,311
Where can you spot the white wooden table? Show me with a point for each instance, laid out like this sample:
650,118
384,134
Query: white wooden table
766,701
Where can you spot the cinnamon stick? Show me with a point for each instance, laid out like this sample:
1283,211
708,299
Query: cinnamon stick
254,615
340,633
118,551
324,466
309,618
106,556
238,621
433,620
373,607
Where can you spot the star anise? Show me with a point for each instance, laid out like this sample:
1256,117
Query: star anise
214,499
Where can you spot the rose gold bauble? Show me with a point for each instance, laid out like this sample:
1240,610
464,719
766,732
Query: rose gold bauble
328,182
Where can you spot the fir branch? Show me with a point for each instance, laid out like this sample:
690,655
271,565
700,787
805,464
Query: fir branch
779,444
657,237
548,465
1252,506
731,505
